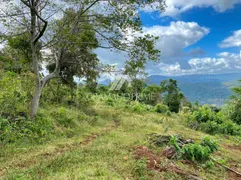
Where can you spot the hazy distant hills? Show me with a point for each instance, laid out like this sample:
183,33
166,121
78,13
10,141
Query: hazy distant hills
207,88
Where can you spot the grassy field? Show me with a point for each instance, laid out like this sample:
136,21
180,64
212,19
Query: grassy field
114,146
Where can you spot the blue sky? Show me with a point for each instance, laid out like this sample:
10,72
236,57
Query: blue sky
195,37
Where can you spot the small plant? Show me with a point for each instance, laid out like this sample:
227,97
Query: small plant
140,169
186,149
186,109
211,122
211,144
110,102
138,107
161,108
168,113
200,152
173,141
195,152
209,164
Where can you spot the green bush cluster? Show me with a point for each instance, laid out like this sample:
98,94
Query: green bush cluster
201,151
212,122
138,107
110,102
198,151
14,97
25,130
161,108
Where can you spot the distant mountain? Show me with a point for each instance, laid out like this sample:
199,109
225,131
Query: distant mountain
207,88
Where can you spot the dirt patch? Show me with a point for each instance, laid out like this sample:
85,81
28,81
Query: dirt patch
234,147
233,176
89,139
1,172
169,152
153,160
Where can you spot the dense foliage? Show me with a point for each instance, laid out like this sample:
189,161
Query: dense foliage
206,119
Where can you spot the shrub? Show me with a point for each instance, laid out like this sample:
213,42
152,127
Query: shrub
110,102
138,108
64,117
211,144
235,114
168,113
207,120
161,108
140,169
195,152
25,129
13,98
210,127
186,109
83,98
199,152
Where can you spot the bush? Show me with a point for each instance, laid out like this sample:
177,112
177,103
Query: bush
83,98
140,169
25,130
110,102
13,97
195,152
168,113
207,120
235,115
64,117
211,144
186,149
137,107
186,109
161,108
199,152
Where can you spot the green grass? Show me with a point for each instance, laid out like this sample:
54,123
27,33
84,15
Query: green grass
110,154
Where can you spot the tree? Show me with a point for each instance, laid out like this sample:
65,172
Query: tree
235,105
155,92
173,95
17,53
110,20
135,71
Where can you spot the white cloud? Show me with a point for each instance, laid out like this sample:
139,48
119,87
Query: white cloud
176,7
225,62
172,40
232,41
177,36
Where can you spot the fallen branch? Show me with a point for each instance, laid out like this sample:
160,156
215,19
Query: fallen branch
226,167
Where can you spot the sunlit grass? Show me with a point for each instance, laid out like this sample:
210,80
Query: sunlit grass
110,154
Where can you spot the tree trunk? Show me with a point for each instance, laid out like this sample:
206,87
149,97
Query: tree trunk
137,96
38,92
36,100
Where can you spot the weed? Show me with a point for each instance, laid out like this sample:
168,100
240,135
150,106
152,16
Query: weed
140,169
161,108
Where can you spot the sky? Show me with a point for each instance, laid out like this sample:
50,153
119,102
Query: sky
195,37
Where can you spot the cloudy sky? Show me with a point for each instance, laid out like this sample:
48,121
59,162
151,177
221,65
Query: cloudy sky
195,37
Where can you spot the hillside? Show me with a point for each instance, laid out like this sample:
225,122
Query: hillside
207,89
111,143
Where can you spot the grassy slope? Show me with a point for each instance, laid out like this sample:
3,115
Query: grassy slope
107,150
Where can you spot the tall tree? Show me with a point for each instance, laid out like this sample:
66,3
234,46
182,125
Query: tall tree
173,96
110,20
